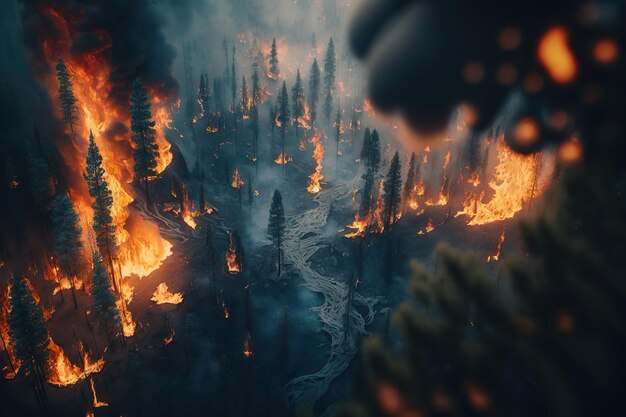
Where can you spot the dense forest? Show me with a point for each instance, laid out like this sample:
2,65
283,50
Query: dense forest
204,213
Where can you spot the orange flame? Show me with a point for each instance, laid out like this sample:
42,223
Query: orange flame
315,179
247,346
496,257
237,181
162,295
512,185
283,158
231,257
96,403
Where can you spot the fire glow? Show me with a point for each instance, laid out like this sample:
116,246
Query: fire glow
315,179
142,250
162,295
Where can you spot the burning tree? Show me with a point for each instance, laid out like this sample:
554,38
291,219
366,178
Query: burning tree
104,301
297,96
392,195
314,90
67,238
102,203
245,101
276,227
338,132
29,336
283,116
146,149
274,71
235,258
330,65
66,95
204,93
365,207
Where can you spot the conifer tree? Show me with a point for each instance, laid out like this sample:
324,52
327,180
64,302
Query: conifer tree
273,115
66,95
297,96
411,176
102,203
314,90
338,131
254,118
366,193
67,234
391,191
212,260
41,181
256,87
244,102
274,71
365,148
29,336
204,92
145,150
374,151
330,67
276,227
233,81
104,302
284,116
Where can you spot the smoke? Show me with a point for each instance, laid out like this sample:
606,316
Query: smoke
128,34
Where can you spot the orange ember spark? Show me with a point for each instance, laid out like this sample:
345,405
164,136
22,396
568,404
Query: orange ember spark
556,56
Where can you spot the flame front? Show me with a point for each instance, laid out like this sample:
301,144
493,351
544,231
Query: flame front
512,185
232,264
315,179
283,158
142,250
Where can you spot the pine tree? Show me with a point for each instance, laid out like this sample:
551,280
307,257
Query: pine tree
330,67
29,336
274,71
244,103
297,96
250,193
204,92
284,116
233,81
411,176
365,148
256,87
102,204
366,193
104,302
391,191
338,132
145,150
212,260
314,90
276,227
41,181
374,148
66,95
254,117
67,238
273,115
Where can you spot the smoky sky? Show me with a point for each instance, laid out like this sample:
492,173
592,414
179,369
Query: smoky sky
128,33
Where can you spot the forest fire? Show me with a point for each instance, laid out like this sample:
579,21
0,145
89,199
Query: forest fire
233,264
247,346
96,403
186,212
169,338
283,158
162,295
315,179
62,372
143,250
428,228
513,185
236,181
496,257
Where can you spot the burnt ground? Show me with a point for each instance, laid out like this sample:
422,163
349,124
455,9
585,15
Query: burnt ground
203,370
